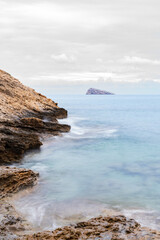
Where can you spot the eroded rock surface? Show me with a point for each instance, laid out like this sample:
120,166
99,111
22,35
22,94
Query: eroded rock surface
17,100
24,116
108,228
11,223
12,180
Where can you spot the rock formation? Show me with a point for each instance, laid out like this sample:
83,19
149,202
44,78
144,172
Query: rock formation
94,91
111,228
12,180
25,117
15,179
22,115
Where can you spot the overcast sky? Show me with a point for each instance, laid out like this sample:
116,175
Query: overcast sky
70,45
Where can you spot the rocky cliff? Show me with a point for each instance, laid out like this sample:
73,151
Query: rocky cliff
22,115
25,117
94,91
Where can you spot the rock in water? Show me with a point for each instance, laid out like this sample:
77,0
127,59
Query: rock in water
94,91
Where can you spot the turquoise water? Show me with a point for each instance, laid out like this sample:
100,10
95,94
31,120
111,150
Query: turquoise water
109,161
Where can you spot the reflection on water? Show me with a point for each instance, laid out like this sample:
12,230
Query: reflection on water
109,160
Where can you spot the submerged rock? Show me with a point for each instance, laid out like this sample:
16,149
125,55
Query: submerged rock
94,91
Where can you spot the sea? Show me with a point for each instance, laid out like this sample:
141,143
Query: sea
109,163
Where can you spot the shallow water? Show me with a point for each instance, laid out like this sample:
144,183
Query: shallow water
109,160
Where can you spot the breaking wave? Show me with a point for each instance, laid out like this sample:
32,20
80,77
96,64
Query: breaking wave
87,132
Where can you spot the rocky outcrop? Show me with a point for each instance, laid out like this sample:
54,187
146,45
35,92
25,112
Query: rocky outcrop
18,100
14,144
94,91
11,223
111,228
24,116
12,181
15,179
21,135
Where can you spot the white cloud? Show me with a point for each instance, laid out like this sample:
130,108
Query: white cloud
140,60
81,40
60,14
99,60
88,76
63,58
156,80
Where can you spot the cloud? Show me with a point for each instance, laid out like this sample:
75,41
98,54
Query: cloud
63,58
80,40
99,60
140,60
88,76
68,85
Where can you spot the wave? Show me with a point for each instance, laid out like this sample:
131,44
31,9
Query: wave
147,218
49,215
87,132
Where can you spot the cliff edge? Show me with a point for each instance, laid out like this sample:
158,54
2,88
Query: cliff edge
18,100
25,118
23,115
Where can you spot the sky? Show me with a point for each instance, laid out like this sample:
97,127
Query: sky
67,46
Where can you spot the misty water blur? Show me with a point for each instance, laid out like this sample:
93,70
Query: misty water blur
109,162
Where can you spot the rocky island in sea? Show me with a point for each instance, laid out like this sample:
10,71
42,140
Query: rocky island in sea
94,91
23,126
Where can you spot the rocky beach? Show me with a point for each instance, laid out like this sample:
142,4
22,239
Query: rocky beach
27,118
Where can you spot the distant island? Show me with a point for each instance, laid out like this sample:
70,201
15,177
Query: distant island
94,91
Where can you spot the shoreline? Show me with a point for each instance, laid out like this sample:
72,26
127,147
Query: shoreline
23,127
22,124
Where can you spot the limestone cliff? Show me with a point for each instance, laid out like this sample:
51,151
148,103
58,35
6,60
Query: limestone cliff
23,115
22,111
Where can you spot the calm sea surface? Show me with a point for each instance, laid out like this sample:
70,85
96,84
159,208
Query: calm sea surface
109,161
